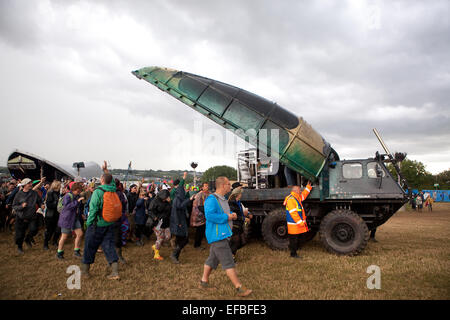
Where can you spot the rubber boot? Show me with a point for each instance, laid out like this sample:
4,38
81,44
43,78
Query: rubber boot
172,243
85,270
46,238
77,253
114,271
156,256
175,254
119,254
60,255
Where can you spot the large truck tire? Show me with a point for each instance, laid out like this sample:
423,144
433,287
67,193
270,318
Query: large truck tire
344,232
274,231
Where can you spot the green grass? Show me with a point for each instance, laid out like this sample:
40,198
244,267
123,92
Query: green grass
413,254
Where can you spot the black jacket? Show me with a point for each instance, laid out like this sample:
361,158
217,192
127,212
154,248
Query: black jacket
160,209
132,199
178,216
52,203
32,199
238,224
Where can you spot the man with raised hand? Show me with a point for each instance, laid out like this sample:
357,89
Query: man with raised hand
295,217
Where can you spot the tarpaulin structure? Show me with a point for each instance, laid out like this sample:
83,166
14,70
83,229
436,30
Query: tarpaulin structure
27,165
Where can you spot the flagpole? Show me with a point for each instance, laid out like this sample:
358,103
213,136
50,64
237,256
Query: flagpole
128,170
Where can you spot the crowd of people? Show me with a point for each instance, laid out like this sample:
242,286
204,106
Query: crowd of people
420,200
109,216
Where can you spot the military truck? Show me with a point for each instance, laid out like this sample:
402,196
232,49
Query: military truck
349,197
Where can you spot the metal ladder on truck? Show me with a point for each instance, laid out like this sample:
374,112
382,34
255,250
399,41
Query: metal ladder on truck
250,170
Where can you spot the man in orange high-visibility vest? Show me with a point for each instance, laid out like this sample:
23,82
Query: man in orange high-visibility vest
295,217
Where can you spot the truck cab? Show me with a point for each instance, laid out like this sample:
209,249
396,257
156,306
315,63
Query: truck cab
349,198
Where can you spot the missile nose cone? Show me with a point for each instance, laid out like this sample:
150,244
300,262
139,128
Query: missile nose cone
136,73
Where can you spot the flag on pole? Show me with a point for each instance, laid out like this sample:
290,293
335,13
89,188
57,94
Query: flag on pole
128,171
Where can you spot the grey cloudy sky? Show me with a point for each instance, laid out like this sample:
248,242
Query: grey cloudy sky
346,67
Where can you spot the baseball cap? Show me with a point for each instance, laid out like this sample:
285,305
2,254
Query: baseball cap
25,181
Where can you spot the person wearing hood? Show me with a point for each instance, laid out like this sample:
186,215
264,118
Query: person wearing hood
159,210
178,221
176,184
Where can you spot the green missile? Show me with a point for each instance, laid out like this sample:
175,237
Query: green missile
299,147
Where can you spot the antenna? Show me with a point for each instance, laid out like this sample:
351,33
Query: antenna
393,161
382,143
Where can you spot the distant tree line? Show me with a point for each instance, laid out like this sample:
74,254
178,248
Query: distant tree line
419,178
218,171
160,174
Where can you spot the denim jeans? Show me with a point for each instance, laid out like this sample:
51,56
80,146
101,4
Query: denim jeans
96,236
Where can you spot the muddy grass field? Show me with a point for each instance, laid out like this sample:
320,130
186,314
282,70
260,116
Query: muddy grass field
413,254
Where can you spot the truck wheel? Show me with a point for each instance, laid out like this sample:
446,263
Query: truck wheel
274,230
344,232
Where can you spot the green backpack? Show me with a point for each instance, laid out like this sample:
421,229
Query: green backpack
60,203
